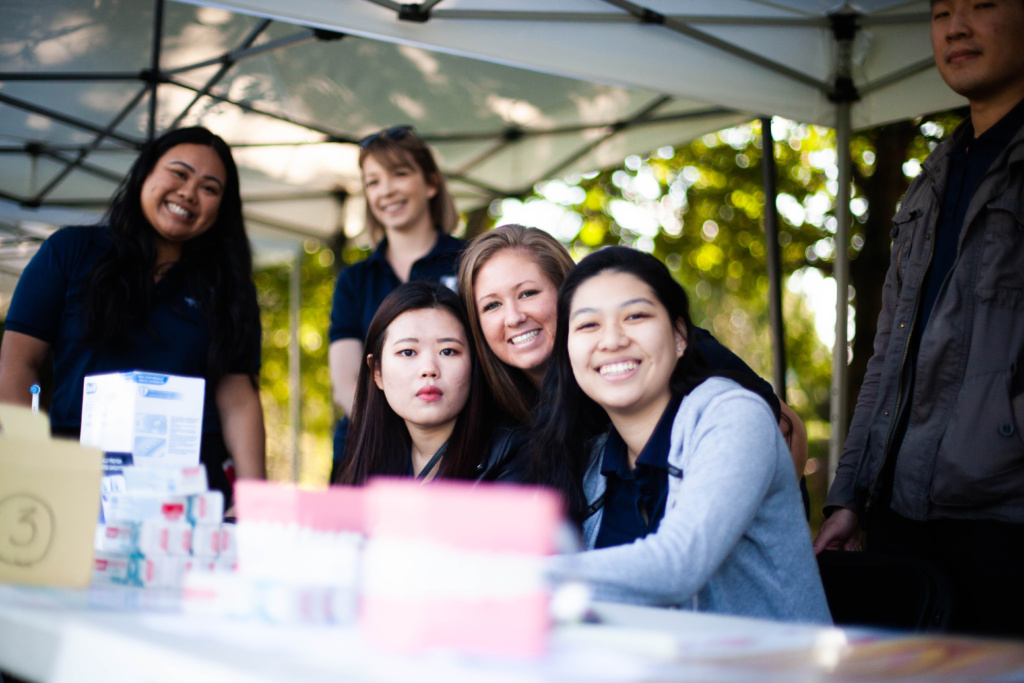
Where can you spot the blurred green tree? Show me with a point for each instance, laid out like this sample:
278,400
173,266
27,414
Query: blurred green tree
699,208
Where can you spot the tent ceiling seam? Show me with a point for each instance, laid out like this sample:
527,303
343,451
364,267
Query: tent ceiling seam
780,7
84,153
282,227
867,20
334,135
97,171
488,189
683,28
227,62
433,139
588,148
64,118
72,76
388,4
238,54
896,76
154,66
618,18
499,145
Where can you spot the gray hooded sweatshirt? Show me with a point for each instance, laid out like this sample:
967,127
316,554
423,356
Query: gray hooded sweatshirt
733,539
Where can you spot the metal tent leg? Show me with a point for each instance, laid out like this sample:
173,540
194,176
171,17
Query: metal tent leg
771,237
294,367
841,272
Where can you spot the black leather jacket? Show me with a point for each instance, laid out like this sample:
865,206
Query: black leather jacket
499,461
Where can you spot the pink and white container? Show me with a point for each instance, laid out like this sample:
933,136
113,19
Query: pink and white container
456,566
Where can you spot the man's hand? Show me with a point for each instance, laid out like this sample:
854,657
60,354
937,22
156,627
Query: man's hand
841,531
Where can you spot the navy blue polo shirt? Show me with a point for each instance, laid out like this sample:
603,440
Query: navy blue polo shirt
363,286
969,161
48,303
629,491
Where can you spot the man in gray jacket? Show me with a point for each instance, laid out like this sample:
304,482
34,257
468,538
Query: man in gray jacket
934,462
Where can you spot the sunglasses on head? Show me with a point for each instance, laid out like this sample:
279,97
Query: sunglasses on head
393,133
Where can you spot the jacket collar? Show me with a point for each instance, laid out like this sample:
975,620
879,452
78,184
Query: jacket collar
935,165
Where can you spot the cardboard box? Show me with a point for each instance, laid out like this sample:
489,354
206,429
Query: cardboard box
49,501
156,418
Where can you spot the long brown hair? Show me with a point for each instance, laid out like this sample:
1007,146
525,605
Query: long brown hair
378,440
394,151
513,390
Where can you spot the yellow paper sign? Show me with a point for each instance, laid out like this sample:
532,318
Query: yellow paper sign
49,503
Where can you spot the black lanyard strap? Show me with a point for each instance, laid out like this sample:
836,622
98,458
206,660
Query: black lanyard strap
432,462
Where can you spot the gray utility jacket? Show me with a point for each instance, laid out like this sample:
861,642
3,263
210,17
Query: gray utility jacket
963,453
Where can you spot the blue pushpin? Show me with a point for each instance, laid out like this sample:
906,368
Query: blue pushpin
35,397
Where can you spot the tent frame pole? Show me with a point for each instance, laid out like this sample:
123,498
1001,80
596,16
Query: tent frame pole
844,94
154,66
841,273
294,364
771,238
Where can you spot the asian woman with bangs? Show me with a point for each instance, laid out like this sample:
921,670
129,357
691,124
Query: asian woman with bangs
422,408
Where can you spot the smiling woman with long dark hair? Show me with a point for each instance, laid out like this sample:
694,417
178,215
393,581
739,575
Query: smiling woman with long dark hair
688,497
165,286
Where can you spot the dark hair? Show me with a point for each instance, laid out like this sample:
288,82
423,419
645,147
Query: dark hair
378,441
513,390
393,152
216,266
566,419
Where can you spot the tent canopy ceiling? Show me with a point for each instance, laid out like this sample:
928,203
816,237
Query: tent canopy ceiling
775,57
507,92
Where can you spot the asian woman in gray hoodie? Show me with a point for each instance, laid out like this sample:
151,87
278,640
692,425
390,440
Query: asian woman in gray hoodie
678,476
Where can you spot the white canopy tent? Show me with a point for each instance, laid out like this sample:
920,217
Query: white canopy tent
854,65
558,88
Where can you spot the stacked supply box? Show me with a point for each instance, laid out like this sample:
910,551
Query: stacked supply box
163,526
299,554
143,418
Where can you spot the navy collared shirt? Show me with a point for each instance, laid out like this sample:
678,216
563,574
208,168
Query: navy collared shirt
631,492
48,305
968,163
363,286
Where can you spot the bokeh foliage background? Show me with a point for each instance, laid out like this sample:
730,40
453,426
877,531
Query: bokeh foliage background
699,208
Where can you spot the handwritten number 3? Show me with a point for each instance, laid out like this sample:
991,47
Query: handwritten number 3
26,517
